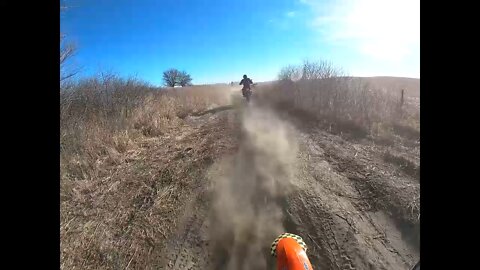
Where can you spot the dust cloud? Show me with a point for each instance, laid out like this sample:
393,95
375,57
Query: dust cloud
246,212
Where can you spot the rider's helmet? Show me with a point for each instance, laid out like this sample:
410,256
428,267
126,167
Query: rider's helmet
244,76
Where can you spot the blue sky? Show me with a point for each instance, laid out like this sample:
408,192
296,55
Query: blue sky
219,40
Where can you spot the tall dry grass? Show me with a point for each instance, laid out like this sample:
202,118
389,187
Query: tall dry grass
324,92
108,113
118,198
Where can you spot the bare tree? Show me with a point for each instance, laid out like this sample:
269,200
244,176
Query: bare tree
171,77
309,71
185,79
289,73
67,50
174,77
319,70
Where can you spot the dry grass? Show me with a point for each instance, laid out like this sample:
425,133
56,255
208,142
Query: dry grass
321,91
195,99
127,163
101,117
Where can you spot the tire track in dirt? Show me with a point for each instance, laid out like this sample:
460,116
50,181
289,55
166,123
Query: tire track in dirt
321,192
189,246
245,207
379,185
339,217
237,215
186,250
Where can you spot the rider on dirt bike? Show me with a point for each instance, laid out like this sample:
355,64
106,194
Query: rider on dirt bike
246,82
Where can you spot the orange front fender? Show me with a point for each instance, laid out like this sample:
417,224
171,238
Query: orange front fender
290,251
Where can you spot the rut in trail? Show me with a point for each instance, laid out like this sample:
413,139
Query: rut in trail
247,212
233,219
341,197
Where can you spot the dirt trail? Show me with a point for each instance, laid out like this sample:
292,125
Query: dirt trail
353,208
341,213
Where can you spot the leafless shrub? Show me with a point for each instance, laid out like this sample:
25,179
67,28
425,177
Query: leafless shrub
289,73
325,92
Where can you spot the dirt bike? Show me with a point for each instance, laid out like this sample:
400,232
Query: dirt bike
291,253
247,93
